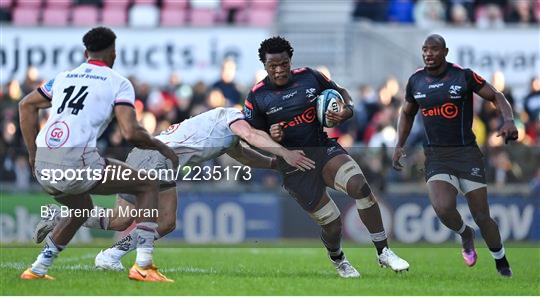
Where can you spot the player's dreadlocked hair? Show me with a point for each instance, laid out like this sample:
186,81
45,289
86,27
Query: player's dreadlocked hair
98,39
274,45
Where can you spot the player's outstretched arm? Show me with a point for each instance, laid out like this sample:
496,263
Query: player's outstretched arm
263,141
508,130
246,155
28,118
405,123
138,136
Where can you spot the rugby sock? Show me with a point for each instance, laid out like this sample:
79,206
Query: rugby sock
336,255
380,240
332,243
46,257
123,246
145,243
467,237
500,257
126,244
99,222
462,229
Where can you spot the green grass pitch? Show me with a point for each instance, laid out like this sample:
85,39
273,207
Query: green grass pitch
277,271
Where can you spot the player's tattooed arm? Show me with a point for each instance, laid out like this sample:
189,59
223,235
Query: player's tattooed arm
28,117
263,141
246,155
405,123
138,136
508,130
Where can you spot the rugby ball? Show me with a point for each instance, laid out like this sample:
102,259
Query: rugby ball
327,100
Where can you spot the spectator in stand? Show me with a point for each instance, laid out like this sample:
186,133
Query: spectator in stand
385,135
162,104
531,102
31,80
215,99
531,110
459,16
522,12
365,106
500,3
499,82
503,170
489,16
488,112
226,83
14,92
400,11
142,90
372,10
468,5
184,95
429,14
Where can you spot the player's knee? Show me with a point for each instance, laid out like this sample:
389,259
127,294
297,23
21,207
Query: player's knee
349,174
120,223
327,214
166,227
443,210
80,219
361,192
124,225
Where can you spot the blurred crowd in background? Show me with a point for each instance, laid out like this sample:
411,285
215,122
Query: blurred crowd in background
433,13
152,13
370,135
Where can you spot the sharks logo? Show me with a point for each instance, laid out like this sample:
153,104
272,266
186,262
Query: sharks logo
310,94
476,172
454,90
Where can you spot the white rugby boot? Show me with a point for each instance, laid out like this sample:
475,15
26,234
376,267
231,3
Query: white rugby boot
389,259
106,262
345,269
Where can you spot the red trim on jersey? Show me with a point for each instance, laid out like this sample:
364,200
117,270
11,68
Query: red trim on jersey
419,69
97,62
299,70
478,78
249,105
257,86
457,66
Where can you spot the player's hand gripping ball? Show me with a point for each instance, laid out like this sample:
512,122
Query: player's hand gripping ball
328,100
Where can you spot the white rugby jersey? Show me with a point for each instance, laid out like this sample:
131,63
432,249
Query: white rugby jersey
203,137
82,105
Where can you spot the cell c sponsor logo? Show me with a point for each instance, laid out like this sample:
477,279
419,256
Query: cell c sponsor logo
57,135
447,111
308,116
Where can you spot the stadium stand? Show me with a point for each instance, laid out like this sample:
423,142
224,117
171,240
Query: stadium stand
146,13
85,15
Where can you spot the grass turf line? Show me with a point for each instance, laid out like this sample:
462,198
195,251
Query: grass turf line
277,271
